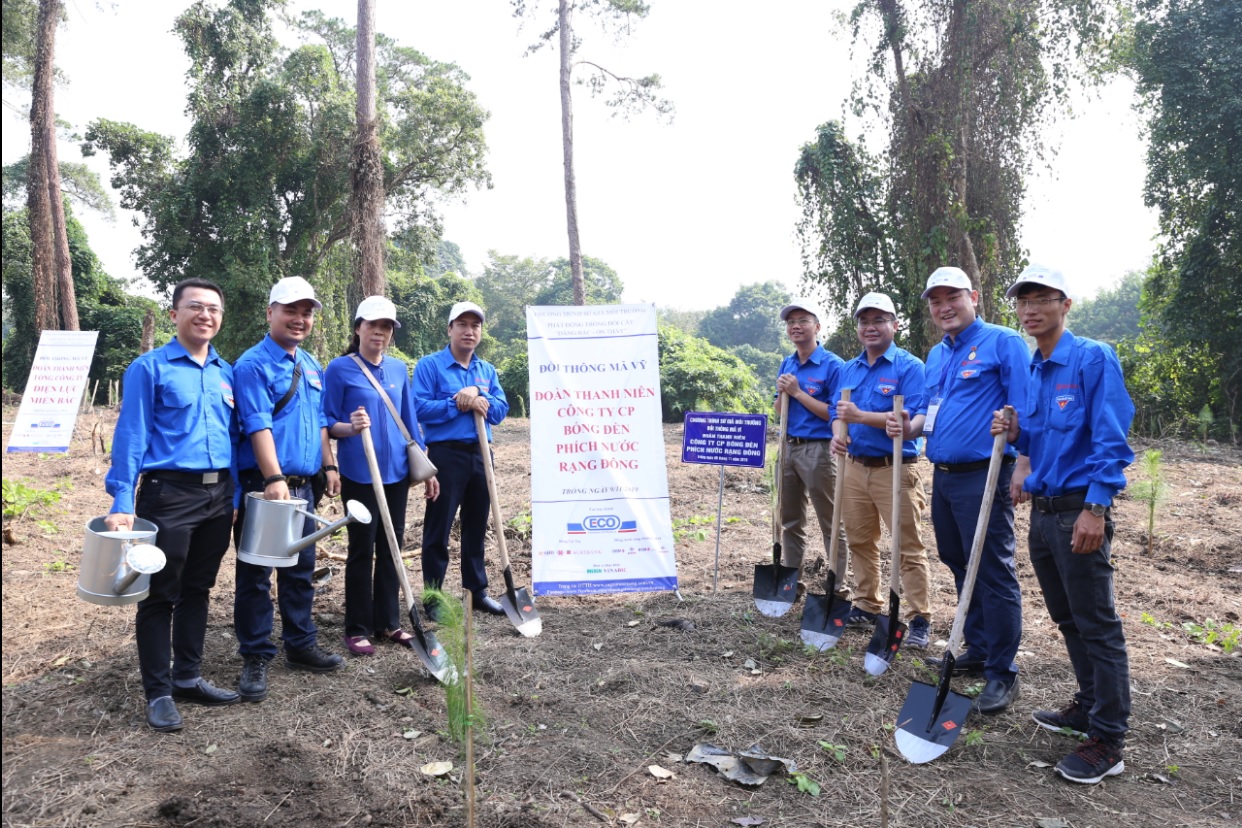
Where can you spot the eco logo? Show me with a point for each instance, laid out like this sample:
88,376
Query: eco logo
602,523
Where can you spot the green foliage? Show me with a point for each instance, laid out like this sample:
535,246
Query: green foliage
515,380
22,500
804,783
687,321
693,527
837,751
78,182
1226,635
697,376
752,318
20,23
1114,314
510,283
1151,491
451,633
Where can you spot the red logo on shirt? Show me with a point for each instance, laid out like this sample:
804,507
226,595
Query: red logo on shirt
1064,400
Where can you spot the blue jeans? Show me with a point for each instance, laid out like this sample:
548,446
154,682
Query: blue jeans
253,614
1078,591
994,619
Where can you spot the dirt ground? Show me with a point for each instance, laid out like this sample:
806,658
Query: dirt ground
575,716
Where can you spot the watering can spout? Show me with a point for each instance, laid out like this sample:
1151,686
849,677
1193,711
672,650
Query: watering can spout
354,512
140,559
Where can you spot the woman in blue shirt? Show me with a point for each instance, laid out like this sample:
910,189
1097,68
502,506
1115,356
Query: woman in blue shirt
352,403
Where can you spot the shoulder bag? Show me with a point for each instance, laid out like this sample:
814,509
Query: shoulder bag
421,467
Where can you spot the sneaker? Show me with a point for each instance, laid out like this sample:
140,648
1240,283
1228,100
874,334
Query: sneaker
1070,720
252,686
314,659
860,618
1092,761
919,633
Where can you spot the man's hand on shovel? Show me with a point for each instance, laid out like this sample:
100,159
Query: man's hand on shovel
1023,468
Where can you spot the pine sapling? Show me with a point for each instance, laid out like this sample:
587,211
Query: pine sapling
1152,491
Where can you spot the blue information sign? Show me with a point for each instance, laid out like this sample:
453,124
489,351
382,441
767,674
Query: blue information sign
724,439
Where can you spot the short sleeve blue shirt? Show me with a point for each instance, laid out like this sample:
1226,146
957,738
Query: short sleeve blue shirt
872,388
347,388
820,378
262,377
439,376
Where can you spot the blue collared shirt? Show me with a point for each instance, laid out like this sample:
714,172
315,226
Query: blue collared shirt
1075,420
439,376
872,386
983,371
346,388
176,415
820,377
262,376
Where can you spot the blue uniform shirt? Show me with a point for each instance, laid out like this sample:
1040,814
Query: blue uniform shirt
346,388
820,377
982,372
896,371
1074,421
176,415
262,377
439,376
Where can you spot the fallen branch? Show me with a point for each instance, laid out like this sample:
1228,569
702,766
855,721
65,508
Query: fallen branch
587,806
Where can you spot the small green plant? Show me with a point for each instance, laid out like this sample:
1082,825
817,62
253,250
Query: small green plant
709,727
1205,420
522,525
805,784
451,634
20,499
974,737
58,565
837,751
1210,632
1173,770
1152,491
692,527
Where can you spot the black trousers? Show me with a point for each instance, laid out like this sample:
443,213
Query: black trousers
195,522
463,485
372,605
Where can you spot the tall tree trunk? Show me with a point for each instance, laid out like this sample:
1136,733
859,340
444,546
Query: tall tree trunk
148,331
367,169
52,269
567,143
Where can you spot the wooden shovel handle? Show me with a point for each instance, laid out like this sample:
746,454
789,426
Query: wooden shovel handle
836,561
381,504
894,522
485,449
779,467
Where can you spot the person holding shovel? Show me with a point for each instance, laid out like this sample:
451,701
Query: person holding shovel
881,371
976,369
177,436
1071,434
280,403
811,378
449,387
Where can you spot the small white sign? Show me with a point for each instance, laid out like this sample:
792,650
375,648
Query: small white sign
53,392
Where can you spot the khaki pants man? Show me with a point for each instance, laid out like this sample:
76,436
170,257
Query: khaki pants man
807,470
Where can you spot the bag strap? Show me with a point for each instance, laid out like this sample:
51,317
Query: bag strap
293,387
392,409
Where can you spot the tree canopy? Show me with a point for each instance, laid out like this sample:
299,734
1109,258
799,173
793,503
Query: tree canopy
752,318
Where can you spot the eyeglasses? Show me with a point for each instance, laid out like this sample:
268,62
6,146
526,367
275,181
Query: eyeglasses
198,307
874,323
1044,302
804,322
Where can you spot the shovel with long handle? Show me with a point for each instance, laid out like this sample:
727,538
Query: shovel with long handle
889,631
518,603
932,717
823,618
776,586
429,650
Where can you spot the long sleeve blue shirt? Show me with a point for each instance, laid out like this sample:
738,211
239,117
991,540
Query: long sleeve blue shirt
439,376
980,373
261,378
1075,420
872,388
346,388
176,415
819,377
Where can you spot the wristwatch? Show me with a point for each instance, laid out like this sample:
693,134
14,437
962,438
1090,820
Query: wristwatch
1097,509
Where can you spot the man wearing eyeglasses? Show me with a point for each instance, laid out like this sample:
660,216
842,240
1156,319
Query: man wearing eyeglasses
811,377
976,369
1071,433
874,377
177,434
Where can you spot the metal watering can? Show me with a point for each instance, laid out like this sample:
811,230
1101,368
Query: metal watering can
272,530
117,566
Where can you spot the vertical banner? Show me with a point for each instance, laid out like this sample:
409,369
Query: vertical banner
49,406
599,486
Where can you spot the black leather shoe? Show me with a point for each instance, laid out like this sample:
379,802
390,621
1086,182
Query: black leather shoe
997,695
162,715
961,666
486,603
252,686
313,659
433,610
204,694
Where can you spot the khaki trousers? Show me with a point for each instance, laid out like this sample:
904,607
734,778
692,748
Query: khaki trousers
867,501
807,471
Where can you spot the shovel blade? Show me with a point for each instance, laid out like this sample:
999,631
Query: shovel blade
520,607
885,642
431,652
919,738
776,588
823,621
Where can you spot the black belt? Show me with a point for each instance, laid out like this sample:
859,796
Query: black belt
961,468
457,444
201,478
1071,502
881,461
797,441
253,479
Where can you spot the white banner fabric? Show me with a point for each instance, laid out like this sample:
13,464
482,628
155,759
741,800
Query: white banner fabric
49,407
599,485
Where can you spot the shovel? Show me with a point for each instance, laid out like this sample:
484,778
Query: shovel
776,586
429,650
932,717
889,632
823,618
518,603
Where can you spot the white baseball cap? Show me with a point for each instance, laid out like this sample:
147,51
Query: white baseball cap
803,304
292,289
377,307
466,307
875,300
952,277
1037,274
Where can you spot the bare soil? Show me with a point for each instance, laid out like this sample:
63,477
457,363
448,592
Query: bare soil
575,716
